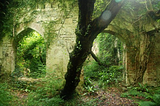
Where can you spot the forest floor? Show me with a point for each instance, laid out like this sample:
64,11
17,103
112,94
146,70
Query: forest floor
111,96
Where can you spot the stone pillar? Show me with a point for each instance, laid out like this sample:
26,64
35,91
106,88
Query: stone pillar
152,74
7,56
130,65
55,58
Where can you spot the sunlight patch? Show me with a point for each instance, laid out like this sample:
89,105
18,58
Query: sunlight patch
106,15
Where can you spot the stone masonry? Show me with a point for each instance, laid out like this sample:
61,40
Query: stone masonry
54,26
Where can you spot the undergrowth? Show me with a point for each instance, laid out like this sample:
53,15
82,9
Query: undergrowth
45,92
105,76
147,96
5,95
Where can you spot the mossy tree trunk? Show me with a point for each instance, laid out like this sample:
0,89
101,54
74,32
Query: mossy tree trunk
87,30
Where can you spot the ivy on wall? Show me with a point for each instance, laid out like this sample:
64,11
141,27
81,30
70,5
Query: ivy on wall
13,11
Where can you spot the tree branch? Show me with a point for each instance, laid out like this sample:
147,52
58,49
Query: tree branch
96,59
85,14
101,22
119,35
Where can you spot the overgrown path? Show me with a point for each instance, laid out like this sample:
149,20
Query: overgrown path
20,98
108,97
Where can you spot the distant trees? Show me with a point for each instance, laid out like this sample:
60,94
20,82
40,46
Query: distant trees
110,49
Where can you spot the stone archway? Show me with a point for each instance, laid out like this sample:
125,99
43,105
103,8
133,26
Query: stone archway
35,26
26,62
57,30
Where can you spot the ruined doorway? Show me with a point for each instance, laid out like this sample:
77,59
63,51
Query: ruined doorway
30,54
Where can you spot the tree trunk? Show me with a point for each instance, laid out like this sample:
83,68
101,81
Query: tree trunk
96,59
87,30
77,58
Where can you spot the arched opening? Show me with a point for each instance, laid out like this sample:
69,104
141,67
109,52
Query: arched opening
107,66
30,54
110,49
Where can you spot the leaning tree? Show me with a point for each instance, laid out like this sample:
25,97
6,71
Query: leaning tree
86,31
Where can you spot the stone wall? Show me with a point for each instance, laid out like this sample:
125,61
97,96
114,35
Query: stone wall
7,56
132,62
152,74
57,30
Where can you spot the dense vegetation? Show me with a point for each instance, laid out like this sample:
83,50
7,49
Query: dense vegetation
31,56
30,86
96,78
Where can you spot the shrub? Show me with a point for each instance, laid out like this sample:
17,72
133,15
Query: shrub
5,96
47,92
31,56
92,70
105,76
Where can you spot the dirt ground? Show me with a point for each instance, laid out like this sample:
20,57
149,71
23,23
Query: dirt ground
110,97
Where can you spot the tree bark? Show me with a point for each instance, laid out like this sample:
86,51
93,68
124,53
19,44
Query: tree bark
87,30
96,58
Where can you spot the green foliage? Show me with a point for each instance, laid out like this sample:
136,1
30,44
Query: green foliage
13,10
109,46
142,88
25,86
6,22
89,86
106,76
99,6
133,92
155,101
92,70
92,102
110,76
5,95
79,102
46,93
147,103
31,56
38,100
141,91
43,92
150,95
37,69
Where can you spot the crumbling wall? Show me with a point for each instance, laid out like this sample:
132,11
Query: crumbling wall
57,30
